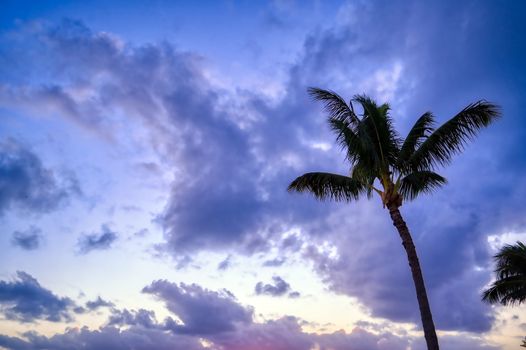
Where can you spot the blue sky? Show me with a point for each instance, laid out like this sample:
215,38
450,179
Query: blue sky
146,148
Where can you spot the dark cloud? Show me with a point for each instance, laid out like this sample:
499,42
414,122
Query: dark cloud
25,300
27,185
97,240
30,239
143,318
278,288
98,303
202,311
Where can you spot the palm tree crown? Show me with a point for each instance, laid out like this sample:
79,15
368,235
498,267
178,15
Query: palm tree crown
406,167
510,286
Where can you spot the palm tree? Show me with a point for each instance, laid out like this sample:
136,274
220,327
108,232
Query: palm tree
396,169
510,286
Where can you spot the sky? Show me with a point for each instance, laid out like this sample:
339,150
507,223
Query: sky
146,149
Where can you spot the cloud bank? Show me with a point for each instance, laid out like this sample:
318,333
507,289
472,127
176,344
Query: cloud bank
25,300
231,327
233,152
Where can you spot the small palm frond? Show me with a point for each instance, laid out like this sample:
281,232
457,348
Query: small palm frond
510,286
328,186
348,127
348,140
379,128
511,260
507,291
335,105
365,175
416,136
420,182
453,135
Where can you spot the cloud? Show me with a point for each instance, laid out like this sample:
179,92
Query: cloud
27,185
274,262
226,193
110,338
234,152
96,240
30,239
279,288
98,303
281,334
143,318
25,300
294,295
202,311
183,261
130,329
225,264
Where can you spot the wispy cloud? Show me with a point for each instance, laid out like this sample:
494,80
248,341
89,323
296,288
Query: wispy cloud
97,240
31,239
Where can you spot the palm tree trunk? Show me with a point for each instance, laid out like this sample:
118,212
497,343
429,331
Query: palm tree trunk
421,294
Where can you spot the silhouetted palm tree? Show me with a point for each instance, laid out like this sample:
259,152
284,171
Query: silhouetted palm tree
403,168
510,286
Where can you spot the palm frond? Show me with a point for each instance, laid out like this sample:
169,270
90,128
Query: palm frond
335,105
328,186
507,291
420,182
415,137
348,140
453,135
370,157
365,175
510,286
511,260
351,133
344,122
379,128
